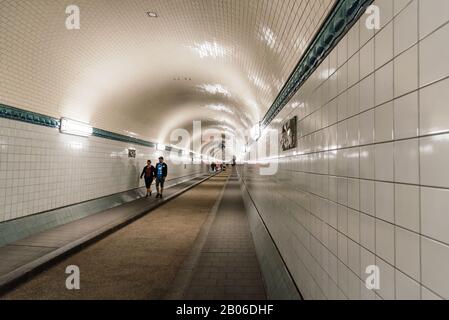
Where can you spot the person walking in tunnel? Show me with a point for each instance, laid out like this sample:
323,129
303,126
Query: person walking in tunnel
149,173
161,174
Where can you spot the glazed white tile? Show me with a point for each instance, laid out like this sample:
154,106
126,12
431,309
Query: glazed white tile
406,116
380,174
406,72
434,155
426,294
407,207
433,56
435,263
399,5
367,197
367,91
366,121
432,15
44,169
385,241
342,248
406,155
354,225
354,194
384,122
384,161
354,100
367,232
353,128
387,281
367,162
383,45
407,288
384,84
353,40
342,51
385,201
367,59
434,114
434,217
408,253
354,69
406,27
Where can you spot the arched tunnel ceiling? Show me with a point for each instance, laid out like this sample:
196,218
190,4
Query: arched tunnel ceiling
219,61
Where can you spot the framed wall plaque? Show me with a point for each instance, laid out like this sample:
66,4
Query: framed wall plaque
131,153
289,134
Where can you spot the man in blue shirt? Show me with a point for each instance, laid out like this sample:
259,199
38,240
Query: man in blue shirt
161,174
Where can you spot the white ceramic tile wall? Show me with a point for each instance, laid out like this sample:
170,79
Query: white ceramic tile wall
42,169
369,180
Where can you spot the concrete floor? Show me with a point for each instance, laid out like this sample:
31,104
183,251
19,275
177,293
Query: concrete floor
139,261
227,267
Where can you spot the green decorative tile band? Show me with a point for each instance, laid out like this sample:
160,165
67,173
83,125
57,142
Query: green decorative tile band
27,116
13,113
119,137
342,18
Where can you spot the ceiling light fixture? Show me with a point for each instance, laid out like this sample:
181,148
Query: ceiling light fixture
152,14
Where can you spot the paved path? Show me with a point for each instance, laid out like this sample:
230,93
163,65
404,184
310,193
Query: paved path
205,228
23,256
227,267
138,261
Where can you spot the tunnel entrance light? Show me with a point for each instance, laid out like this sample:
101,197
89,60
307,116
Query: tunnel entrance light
161,147
76,128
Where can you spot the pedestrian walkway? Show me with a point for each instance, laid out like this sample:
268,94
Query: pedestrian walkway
197,246
32,253
226,266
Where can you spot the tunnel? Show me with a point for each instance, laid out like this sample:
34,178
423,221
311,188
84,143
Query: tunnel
224,150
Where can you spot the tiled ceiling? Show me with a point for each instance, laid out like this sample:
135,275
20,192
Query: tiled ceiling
219,61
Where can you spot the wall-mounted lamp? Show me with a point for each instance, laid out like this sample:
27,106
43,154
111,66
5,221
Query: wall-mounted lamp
255,132
77,128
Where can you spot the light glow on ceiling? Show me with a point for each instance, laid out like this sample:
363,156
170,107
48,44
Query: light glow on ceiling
259,82
214,89
268,37
209,49
219,107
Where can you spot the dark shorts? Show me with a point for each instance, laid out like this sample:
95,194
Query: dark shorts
148,182
160,181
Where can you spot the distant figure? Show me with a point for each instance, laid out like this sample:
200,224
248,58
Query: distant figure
213,166
149,173
161,174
